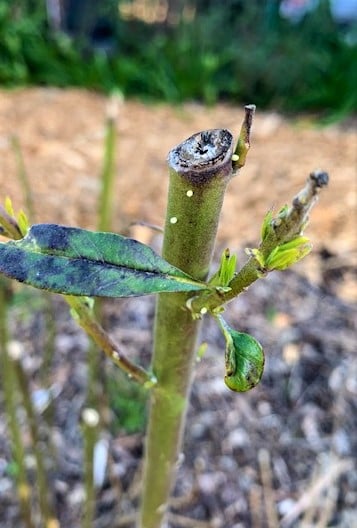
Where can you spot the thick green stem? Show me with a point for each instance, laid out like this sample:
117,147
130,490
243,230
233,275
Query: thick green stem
90,418
200,169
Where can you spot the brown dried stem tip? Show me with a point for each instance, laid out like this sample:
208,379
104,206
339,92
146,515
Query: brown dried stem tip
297,216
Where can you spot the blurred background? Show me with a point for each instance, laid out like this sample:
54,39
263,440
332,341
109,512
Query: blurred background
290,54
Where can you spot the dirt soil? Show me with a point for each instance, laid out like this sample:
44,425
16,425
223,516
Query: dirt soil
280,455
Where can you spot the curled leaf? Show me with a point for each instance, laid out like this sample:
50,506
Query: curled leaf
244,359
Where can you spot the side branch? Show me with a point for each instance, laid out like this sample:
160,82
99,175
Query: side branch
291,223
284,228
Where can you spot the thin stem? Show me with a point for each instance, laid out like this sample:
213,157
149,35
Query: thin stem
86,320
108,170
268,490
23,177
96,371
10,397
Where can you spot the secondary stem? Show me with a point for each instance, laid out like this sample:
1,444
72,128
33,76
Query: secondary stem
86,320
200,169
285,228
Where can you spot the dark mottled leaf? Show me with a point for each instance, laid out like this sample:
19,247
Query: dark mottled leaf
244,359
75,261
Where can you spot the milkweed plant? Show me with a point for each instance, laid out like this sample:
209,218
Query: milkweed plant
82,265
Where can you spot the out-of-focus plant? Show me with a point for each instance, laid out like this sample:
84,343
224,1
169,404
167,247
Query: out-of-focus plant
224,50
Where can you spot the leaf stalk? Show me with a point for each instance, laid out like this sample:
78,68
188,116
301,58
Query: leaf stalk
87,321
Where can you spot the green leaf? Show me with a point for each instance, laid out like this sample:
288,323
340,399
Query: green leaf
74,261
287,254
226,270
23,223
244,359
266,226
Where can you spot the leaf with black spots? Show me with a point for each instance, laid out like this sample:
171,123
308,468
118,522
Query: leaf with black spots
75,261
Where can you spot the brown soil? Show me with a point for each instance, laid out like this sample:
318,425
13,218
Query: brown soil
299,426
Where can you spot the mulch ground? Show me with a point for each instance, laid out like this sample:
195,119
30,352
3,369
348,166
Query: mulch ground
280,455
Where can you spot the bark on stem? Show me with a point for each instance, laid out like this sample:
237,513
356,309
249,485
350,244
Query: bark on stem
200,169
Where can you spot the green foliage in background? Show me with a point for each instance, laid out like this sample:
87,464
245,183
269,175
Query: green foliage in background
127,402
29,54
235,51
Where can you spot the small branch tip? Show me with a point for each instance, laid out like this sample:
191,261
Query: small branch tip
248,120
243,143
320,178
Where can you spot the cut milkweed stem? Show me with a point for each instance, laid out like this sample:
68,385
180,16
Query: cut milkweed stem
96,391
23,177
108,170
200,169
